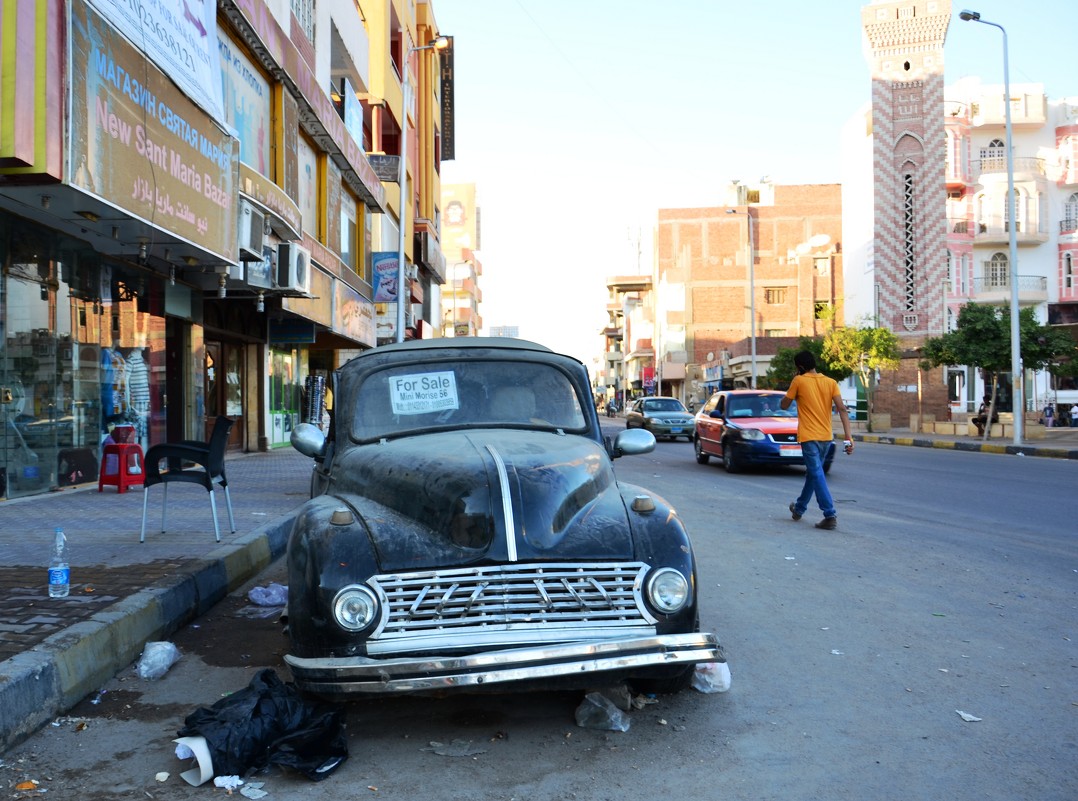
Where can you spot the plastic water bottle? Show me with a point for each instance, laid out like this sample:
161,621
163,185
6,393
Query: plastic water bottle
59,572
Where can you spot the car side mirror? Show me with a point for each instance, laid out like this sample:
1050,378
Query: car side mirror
309,440
632,442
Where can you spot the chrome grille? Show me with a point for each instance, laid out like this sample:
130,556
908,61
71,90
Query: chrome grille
784,437
509,604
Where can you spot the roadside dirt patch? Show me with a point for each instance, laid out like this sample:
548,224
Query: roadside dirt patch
263,643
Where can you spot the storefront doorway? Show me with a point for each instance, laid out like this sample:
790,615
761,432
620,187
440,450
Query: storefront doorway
225,387
284,399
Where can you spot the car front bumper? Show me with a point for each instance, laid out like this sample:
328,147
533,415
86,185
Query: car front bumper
628,655
671,429
772,453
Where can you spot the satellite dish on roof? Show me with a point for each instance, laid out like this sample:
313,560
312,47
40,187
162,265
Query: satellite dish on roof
819,240
710,356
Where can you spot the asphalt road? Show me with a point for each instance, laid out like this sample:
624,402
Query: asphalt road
950,587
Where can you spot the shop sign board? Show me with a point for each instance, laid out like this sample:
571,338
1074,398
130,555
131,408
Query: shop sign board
138,143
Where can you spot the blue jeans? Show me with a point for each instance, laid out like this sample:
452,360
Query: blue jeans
815,481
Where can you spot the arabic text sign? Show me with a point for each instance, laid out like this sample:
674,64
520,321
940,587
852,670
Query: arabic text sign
137,142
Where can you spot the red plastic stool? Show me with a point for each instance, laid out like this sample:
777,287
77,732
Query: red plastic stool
122,465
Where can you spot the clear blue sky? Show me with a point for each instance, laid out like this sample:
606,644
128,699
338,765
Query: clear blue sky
578,119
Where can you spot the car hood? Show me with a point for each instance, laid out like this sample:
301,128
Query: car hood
769,425
463,497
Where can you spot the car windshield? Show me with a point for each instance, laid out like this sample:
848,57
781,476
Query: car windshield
416,398
760,406
663,405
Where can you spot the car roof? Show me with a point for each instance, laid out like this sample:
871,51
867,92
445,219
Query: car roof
735,392
463,342
455,347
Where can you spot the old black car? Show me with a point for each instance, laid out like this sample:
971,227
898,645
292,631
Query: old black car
466,528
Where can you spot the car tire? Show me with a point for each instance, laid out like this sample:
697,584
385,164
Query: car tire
701,457
729,461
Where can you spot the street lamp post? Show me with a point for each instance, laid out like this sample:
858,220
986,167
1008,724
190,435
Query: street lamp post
752,294
1017,403
441,43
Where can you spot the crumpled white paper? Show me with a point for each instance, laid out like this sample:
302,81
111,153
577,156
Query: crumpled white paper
195,747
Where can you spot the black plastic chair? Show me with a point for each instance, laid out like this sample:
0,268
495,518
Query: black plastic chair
193,462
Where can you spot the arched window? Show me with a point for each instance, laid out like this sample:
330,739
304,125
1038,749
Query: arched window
1069,282
1070,213
994,157
996,272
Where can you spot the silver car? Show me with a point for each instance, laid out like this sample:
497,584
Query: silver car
662,416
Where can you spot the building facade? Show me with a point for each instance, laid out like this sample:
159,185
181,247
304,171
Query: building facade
767,262
1045,143
627,369
904,239
462,294
188,227
926,217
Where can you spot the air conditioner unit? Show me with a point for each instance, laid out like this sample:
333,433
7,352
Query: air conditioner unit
252,232
293,268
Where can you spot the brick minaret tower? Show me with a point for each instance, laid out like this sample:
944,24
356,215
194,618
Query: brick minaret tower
905,53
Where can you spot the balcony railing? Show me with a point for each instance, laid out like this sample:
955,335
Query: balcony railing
996,288
1024,166
1068,225
994,228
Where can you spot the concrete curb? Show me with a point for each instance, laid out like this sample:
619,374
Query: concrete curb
958,445
49,679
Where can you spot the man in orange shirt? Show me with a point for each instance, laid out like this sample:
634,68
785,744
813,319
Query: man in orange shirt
816,394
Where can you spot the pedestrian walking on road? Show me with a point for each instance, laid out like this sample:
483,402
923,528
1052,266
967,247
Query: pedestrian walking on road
816,396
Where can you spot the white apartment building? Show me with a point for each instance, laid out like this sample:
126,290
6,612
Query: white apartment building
1045,168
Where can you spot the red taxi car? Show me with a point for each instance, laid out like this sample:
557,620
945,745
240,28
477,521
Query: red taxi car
748,427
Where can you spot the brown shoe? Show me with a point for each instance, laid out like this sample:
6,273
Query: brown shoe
829,523
793,513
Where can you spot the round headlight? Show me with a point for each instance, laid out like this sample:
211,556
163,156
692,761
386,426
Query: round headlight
668,590
354,607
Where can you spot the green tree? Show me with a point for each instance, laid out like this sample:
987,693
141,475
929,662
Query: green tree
863,352
982,338
782,370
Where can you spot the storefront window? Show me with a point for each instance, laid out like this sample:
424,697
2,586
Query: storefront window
233,384
284,396
81,353
349,230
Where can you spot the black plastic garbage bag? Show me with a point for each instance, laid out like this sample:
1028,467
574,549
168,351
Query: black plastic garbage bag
270,723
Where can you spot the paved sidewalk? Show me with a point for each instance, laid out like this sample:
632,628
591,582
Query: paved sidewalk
54,652
1058,443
